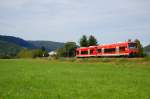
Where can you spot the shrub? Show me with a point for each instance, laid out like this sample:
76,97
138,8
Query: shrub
25,53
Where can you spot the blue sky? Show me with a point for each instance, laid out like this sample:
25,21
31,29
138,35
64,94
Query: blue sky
67,20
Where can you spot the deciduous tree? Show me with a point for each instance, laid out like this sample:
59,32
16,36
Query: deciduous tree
140,47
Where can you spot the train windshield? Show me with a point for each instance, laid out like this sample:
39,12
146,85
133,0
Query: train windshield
132,45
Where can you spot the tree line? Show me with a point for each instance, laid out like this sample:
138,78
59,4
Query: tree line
32,53
88,41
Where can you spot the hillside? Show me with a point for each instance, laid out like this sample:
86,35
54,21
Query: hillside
8,49
49,45
10,46
17,41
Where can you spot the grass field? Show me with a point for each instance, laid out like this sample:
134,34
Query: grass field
44,79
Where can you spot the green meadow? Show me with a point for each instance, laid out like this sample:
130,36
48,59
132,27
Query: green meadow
57,79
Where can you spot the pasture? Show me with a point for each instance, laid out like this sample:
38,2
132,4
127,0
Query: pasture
45,79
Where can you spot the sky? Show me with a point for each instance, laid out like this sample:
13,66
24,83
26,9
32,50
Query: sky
110,21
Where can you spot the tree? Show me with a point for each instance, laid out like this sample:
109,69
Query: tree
92,41
44,52
140,47
61,52
37,53
43,48
68,50
83,41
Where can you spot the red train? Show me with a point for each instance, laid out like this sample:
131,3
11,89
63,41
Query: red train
109,50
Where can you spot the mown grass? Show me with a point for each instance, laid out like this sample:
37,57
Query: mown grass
44,79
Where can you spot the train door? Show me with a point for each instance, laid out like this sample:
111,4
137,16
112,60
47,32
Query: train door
117,49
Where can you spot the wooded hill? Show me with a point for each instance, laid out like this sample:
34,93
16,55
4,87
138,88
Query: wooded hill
10,46
49,45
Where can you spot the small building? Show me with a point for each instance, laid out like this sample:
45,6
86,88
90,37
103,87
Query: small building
52,53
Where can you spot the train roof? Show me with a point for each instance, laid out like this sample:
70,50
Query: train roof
106,45
118,43
87,47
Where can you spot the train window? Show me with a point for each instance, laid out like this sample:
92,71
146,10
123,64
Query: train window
110,50
84,52
91,51
99,50
122,49
132,45
77,52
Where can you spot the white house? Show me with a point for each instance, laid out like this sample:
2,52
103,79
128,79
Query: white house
52,53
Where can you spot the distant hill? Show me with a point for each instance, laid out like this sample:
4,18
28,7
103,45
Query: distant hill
49,45
147,49
8,49
10,46
15,40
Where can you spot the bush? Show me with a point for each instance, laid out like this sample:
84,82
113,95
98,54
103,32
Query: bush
68,50
25,53
37,53
6,57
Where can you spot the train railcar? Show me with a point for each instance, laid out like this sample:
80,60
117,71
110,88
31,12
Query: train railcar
90,51
117,49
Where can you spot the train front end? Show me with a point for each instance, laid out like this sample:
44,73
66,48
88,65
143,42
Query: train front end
133,49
